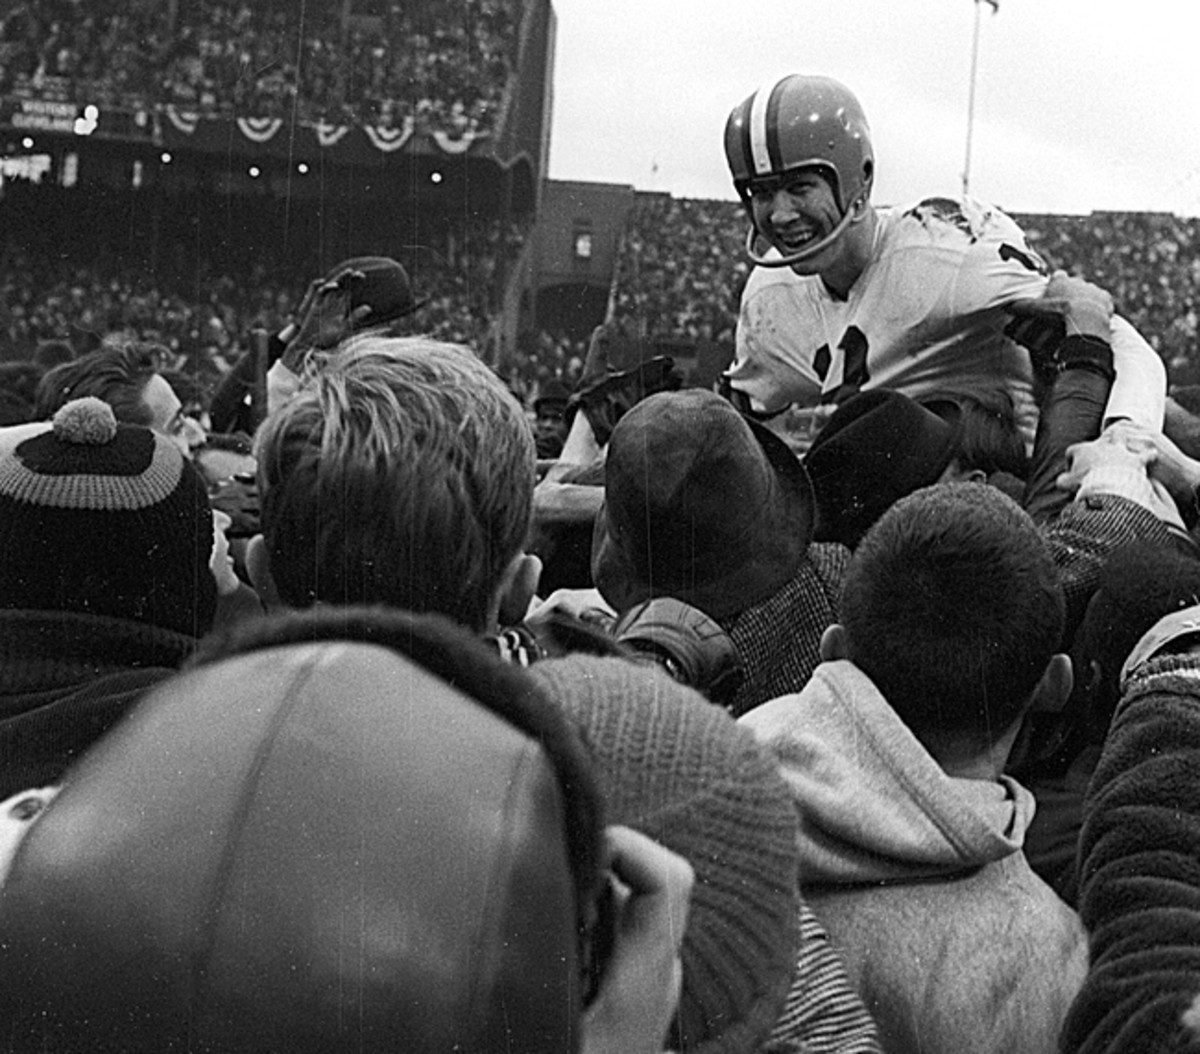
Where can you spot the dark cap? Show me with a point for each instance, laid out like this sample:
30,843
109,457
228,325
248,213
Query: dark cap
701,504
378,282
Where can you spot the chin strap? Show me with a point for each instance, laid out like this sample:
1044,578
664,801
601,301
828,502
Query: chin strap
802,254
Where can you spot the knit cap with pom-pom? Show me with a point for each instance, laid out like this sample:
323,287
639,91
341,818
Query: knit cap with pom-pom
682,771
87,421
108,519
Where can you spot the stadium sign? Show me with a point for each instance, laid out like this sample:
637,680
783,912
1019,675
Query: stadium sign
42,115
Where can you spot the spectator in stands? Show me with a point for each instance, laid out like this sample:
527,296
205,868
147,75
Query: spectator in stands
831,262
402,473
105,582
550,426
334,880
223,59
910,834
127,376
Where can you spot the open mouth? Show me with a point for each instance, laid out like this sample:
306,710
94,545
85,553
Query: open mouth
797,238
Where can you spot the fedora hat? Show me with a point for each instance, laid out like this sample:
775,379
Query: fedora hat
700,504
876,448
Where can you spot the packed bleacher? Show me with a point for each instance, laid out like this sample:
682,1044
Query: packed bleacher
302,62
205,316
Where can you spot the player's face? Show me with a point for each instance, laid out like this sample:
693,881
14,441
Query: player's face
794,209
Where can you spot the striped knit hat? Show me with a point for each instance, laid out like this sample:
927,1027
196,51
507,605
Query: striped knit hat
105,519
682,771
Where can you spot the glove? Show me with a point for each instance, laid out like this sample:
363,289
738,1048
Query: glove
1068,308
692,648
606,401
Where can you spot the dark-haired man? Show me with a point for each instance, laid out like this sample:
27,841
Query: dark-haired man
910,832
129,377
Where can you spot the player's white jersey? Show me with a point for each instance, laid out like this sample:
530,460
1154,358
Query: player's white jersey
926,315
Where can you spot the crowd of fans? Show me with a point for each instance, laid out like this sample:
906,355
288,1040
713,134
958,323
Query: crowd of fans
206,316
764,781
679,275
681,268
1149,262
302,62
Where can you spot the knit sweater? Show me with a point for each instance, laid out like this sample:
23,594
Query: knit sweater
953,943
1139,875
65,678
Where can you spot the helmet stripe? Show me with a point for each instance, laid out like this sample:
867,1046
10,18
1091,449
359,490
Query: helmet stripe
759,153
772,124
744,135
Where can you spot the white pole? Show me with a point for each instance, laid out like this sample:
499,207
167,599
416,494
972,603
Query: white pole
966,174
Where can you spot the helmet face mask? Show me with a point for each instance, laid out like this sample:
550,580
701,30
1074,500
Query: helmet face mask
800,122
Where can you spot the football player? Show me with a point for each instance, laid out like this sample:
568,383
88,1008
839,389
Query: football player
848,295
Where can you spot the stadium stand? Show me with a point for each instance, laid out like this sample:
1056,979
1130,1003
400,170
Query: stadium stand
216,58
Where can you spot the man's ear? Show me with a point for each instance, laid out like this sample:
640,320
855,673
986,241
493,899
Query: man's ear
258,567
1054,689
833,643
518,588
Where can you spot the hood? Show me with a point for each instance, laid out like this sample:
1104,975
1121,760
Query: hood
873,805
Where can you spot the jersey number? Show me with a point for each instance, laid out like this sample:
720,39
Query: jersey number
1028,258
854,369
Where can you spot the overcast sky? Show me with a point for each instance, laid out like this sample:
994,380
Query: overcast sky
1079,104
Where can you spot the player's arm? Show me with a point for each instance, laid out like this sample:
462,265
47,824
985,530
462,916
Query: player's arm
1139,392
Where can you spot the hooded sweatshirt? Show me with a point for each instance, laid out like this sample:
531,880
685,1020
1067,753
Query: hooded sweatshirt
953,942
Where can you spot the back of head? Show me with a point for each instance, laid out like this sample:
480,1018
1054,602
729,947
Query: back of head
315,846
952,606
116,374
990,440
402,473
701,505
685,773
877,447
98,518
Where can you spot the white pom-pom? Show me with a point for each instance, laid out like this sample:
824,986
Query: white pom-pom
87,421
